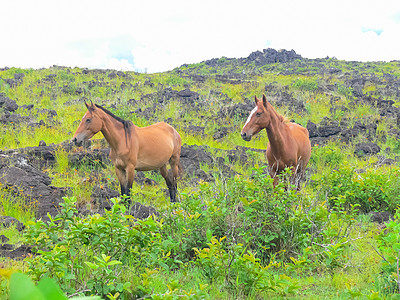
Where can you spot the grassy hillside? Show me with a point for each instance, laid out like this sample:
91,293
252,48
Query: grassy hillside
232,236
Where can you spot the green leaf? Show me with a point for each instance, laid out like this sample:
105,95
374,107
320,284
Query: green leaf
91,265
50,289
126,285
22,287
114,262
244,201
105,257
209,234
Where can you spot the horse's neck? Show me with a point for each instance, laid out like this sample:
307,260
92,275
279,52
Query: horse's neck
113,132
275,131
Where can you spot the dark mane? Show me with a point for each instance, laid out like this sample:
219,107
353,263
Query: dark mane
127,124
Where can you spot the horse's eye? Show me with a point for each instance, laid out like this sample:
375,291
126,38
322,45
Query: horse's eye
258,114
88,120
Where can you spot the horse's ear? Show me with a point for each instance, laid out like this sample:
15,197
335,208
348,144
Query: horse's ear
256,99
265,102
91,107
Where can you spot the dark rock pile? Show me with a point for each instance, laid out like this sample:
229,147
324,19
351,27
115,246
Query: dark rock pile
271,56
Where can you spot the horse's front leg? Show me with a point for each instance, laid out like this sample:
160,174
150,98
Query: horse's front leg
121,175
125,177
130,176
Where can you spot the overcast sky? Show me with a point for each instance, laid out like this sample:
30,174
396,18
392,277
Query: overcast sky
159,35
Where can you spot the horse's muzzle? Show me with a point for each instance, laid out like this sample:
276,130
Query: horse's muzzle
246,137
76,142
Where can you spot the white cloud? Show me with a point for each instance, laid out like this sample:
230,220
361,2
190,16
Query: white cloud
159,35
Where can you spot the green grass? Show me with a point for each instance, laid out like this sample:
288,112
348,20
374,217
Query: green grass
15,206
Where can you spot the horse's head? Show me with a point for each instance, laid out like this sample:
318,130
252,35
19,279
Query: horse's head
90,125
258,119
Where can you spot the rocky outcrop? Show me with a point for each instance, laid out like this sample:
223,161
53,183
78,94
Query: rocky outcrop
271,56
20,178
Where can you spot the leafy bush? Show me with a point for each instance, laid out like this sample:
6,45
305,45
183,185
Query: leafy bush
240,269
249,211
389,248
77,251
370,190
270,221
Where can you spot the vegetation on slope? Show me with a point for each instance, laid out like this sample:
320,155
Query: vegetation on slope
234,236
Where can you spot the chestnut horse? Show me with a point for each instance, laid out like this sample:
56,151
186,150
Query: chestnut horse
132,147
289,144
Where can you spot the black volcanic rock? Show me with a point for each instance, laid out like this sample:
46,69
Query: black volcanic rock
19,176
7,104
362,149
259,58
312,129
271,56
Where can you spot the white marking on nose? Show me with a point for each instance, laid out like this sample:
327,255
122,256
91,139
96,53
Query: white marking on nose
251,114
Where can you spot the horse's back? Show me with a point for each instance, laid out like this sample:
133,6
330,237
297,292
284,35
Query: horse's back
157,143
164,130
297,129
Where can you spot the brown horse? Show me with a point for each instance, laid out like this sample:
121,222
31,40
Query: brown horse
132,147
289,144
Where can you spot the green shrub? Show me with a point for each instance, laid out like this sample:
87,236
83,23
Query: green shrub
345,91
306,84
370,190
240,269
275,220
249,211
389,249
187,224
86,254
174,80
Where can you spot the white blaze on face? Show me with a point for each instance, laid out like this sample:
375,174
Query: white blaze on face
251,114
84,116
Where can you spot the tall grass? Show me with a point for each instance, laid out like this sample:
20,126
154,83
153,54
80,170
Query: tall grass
62,163
15,206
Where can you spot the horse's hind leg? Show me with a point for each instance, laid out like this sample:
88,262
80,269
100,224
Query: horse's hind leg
170,182
174,162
